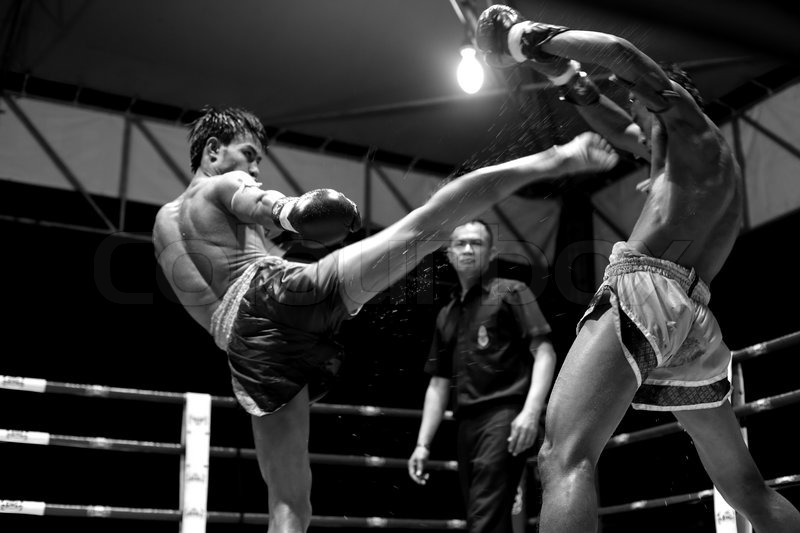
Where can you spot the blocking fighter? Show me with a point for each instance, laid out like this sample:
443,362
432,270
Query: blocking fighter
648,337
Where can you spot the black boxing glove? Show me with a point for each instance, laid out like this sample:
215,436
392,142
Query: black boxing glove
324,216
491,34
506,38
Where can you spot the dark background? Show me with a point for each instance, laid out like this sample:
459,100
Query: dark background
93,309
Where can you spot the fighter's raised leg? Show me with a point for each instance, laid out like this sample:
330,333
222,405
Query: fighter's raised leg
370,266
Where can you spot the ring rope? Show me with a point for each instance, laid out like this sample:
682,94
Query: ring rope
778,483
97,511
42,385
101,511
751,408
756,350
102,391
169,448
41,508
33,437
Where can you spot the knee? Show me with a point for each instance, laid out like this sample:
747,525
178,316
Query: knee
291,504
745,493
546,461
556,462
290,516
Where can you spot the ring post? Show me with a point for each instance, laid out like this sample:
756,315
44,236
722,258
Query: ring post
196,441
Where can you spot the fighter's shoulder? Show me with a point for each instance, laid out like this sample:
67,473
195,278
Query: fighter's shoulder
234,180
223,188
683,111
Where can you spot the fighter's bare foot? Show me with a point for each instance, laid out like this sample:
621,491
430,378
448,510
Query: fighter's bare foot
589,152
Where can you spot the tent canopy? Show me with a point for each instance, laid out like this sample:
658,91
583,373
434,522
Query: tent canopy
373,74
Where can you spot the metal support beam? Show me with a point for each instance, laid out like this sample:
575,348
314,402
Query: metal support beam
143,237
515,232
367,214
64,28
453,99
393,189
123,171
738,152
176,169
777,139
283,171
57,161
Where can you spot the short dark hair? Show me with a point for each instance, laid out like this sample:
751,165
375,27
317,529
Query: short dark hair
482,223
682,78
225,124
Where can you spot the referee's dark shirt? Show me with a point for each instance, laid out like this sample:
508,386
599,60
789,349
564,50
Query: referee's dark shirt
482,344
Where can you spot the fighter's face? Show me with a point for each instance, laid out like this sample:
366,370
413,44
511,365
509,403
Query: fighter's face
470,249
242,153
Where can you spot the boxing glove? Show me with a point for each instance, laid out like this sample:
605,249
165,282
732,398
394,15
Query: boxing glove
323,216
506,38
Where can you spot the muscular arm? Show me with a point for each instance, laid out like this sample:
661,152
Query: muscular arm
324,216
601,113
641,74
618,55
241,195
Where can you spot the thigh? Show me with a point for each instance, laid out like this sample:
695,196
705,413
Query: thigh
719,442
592,392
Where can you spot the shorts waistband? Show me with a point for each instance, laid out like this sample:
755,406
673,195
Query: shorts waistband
687,278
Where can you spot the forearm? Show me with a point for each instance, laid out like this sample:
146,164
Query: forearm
611,52
615,124
541,377
605,117
432,414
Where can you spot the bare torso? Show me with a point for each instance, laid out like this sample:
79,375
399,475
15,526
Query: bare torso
201,247
693,212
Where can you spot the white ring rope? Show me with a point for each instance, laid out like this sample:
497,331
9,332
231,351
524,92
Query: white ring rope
170,448
102,511
26,437
96,511
40,438
41,385
102,391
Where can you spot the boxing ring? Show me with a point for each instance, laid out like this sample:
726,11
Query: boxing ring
195,450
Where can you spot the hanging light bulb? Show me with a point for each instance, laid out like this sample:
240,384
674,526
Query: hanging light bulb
470,72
